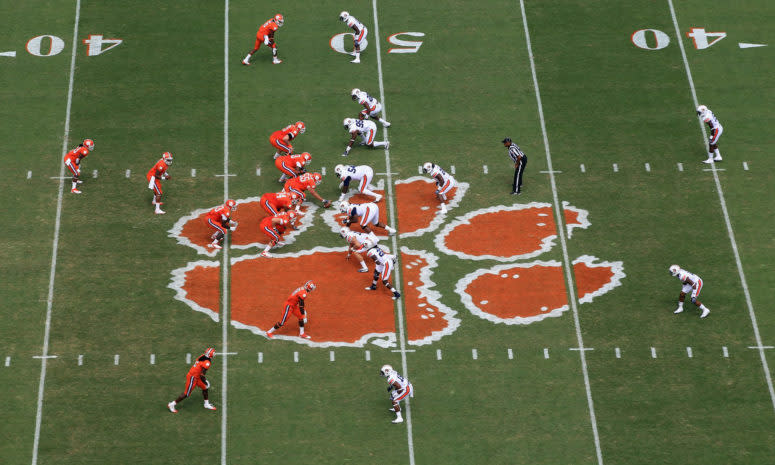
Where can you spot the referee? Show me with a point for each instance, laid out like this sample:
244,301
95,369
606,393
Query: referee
520,162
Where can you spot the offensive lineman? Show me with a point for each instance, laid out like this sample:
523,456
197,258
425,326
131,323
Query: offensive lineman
366,129
398,388
371,106
690,283
716,129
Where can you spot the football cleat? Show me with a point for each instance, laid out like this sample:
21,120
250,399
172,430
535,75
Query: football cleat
167,157
344,16
171,406
674,270
396,295
209,406
214,245
301,127
386,370
427,167
270,335
363,270
276,61
355,93
371,288
309,286
705,313
305,336
89,144
278,18
398,420
75,191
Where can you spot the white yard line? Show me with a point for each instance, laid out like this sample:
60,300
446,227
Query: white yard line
558,209
390,202
727,221
224,313
55,243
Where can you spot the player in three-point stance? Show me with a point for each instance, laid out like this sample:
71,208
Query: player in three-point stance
383,266
362,173
219,218
371,106
358,243
398,389
196,378
716,129
281,139
359,33
366,129
73,162
154,176
265,35
275,226
278,202
690,284
306,182
444,182
295,305
368,214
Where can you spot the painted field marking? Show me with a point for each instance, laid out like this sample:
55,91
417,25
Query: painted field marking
80,359
546,352
559,212
419,169
94,174
258,171
648,168
128,173
653,352
390,203
331,356
153,359
510,353
296,357
761,347
583,169
403,350
385,174
260,357
452,169
227,175
550,172
739,44
616,168
227,353
12,53
44,356
725,352
193,172
367,355
438,354
745,167
29,174
727,221
484,169
188,358
714,169
680,166
60,177
689,352
115,359
474,354
8,361
618,352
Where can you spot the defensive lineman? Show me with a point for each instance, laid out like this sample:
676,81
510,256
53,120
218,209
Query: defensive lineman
371,106
384,262
359,33
444,182
716,129
690,283
366,129
398,388
520,162
362,173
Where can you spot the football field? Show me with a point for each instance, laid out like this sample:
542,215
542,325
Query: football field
535,328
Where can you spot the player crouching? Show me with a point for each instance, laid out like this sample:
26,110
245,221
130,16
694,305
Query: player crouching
384,263
398,389
219,218
295,304
358,243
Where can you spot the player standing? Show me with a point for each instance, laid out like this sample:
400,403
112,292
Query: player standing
366,129
265,35
716,129
295,305
362,173
371,106
154,176
196,378
398,388
219,218
73,162
359,33
281,140
690,283
444,182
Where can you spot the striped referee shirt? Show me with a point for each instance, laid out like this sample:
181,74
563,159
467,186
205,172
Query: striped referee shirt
515,152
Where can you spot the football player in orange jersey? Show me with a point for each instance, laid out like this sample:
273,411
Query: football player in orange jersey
295,304
292,165
274,227
154,176
281,140
277,202
196,378
219,218
265,35
306,182
73,162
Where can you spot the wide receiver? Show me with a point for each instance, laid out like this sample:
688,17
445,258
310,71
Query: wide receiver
154,177
265,35
690,283
196,378
295,304
73,162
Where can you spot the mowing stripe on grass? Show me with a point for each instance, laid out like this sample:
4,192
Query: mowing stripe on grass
390,202
55,242
727,221
560,222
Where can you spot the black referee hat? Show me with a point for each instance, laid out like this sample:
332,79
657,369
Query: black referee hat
508,139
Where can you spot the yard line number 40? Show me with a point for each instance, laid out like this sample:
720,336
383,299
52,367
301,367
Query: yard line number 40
654,39
49,46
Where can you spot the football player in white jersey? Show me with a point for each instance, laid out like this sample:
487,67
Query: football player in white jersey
362,173
368,214
444,182
690,284
371,106
366,129
398,388
384,262
716,129
358,243
359,33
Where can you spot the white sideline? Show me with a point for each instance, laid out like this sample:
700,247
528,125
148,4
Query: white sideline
727,221
559,217
224,313
55,244
389,201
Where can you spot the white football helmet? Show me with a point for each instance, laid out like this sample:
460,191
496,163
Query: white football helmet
386,370
427,166
338,170
344,231
355,93
344,16
674,270
347,122
701,109
344,207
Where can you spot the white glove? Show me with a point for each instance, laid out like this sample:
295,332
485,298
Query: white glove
266,40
